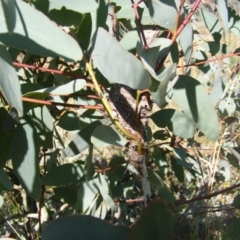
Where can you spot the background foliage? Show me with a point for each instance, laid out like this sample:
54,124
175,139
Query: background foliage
119,119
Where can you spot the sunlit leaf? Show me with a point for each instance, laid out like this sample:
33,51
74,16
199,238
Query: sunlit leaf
65,89
176,121
223,13
9,82
82,140
86,194
30,35
164,13
116,64
159,90
192,98
186,40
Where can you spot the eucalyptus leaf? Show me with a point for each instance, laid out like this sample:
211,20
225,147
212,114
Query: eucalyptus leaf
24,151
4,180
43,123
9,82
65,89
83,227
165,12
63,175
155,226
9,9
116,64
104,136
223,13
30,35
81,140
75,5
192,98
176,121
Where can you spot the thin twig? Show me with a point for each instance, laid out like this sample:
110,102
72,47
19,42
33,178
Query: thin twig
181,202
135,7
49,103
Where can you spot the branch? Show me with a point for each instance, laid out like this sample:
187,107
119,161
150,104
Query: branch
135,7
180,202
210,60
47,70
49,103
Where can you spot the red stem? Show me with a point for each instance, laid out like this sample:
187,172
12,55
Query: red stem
44,102
47,70
135,7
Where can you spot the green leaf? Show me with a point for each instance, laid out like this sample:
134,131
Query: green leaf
81,141
66,195
118,65
35,95
30,35
164,13
9,82
4,180
44,125
186,40
178,170
104,190
69,121
89,167
165,45
24,151
63,174
223,13
74,5
9,9
86,194
180,156
65,89
156,222
218,87
159,90
129,40
157,182
83,227
192,98
176,121
149,58
104,136
211,22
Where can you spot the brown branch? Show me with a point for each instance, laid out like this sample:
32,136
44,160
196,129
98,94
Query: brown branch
47,70
135,7
49,103
210,60
186,20
180,202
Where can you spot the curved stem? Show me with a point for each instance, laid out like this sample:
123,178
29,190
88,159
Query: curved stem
107,105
